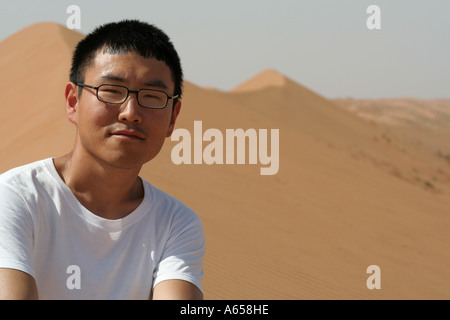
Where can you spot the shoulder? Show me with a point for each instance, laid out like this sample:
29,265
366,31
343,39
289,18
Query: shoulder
23,174
169,208
159,197
25,183
18,201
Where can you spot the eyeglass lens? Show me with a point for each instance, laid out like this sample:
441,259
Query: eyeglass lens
118,94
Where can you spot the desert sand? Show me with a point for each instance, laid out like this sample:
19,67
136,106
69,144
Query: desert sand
356,186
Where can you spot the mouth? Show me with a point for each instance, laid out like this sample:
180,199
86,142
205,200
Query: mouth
128,135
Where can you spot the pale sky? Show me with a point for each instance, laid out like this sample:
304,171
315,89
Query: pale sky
324,45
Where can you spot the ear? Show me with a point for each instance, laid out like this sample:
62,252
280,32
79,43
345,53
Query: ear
175,113
71,94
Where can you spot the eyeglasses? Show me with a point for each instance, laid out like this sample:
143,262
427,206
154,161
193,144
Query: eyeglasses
116,94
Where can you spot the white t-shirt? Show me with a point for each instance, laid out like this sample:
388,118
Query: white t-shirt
75,254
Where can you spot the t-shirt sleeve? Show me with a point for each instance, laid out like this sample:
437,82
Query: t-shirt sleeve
182,257
16,232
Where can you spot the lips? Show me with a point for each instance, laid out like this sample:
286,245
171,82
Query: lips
128,134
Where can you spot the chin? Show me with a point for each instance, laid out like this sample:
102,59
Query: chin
128,158
127,161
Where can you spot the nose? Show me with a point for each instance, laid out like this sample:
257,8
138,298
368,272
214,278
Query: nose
130,110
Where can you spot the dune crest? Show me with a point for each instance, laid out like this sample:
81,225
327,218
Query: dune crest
264,79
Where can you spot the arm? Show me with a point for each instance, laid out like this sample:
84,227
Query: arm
17,285
176,290
178,274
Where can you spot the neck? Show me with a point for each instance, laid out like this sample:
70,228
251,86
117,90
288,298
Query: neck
109,192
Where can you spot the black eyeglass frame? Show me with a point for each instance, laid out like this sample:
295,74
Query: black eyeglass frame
128,93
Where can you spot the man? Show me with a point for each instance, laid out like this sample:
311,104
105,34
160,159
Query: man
85,225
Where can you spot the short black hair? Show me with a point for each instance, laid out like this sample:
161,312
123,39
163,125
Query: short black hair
123,37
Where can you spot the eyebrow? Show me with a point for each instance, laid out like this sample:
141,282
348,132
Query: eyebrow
152,83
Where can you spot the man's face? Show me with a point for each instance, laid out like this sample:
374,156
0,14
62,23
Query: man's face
123,135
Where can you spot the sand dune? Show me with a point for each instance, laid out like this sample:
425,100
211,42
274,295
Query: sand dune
267,78
35,65
423,122
421,129
349,192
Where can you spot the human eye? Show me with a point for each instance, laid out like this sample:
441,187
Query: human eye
111,90
113,94
156,95
148,95
152,98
